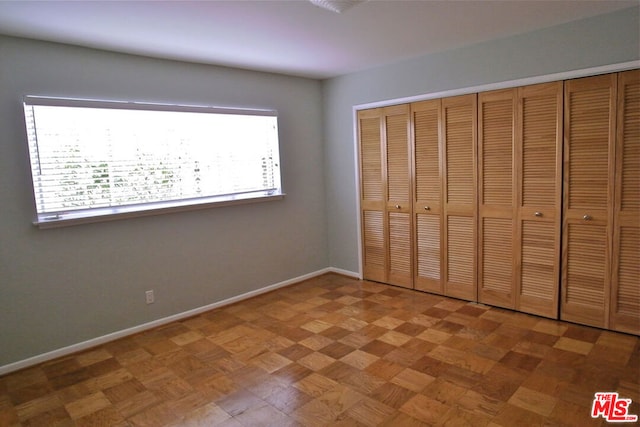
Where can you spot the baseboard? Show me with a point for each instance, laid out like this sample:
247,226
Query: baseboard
74,348
342,272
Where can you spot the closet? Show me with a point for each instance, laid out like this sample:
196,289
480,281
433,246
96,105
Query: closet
459,118
538,198
525,198
496,176
444,203
601,218
427,201
589,175
385,195
519,179
625,280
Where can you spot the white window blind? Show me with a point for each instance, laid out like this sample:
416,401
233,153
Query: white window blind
96,158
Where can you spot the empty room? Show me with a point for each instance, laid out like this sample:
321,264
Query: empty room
319,213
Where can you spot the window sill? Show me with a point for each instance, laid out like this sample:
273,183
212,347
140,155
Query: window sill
88,216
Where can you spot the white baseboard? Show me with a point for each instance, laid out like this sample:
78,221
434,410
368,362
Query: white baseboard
347,273
74,348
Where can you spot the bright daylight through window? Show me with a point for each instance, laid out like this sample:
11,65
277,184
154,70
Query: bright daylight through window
91,159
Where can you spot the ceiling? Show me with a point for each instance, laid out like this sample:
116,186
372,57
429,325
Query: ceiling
291,36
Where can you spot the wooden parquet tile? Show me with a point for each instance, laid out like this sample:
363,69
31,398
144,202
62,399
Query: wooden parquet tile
334,351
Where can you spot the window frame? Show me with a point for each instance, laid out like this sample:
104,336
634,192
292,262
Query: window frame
133,210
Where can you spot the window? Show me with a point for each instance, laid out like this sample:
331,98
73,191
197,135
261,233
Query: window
91,159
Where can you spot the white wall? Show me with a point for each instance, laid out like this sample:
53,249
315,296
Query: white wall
63,286
606,39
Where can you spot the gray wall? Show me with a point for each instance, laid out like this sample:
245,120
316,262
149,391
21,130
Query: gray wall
63,286
603,40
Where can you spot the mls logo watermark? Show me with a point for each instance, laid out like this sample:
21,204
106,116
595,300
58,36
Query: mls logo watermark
612,408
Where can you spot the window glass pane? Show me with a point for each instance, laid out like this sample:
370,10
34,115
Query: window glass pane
87,157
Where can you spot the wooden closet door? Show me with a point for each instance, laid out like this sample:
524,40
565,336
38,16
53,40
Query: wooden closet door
589,133
372,195
625,284
496,198
539,194
398,195
459,118
427,196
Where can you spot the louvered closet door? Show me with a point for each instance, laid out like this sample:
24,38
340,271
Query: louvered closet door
372,195
459,175
539,187
625,292
427,196
496,198
398,195
588,198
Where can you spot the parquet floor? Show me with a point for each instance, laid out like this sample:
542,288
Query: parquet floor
334,351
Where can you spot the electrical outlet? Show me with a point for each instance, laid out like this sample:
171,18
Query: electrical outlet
150,297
